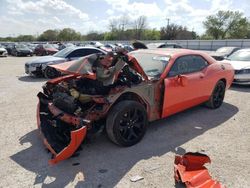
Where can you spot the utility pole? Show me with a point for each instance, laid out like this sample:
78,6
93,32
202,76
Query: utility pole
168,21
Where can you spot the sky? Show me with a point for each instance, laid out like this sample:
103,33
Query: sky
35,16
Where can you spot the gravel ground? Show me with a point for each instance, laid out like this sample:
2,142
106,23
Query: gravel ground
223,134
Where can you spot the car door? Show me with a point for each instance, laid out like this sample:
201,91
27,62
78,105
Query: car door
183,84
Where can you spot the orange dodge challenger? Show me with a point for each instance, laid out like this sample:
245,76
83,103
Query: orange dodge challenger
121,93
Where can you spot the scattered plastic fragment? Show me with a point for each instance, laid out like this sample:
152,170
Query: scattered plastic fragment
190,170
136,178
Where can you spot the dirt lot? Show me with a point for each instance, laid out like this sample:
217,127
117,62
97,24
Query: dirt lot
223,134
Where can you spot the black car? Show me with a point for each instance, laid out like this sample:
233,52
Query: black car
21,50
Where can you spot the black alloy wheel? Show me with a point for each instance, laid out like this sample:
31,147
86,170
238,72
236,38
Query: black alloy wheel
126,123
217,96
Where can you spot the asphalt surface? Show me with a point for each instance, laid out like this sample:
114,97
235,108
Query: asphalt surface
223,134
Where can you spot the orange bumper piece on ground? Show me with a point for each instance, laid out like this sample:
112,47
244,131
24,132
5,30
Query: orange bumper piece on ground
77,137
189,169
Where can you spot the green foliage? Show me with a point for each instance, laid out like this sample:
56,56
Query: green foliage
227,24
176,32
68,34
152,34
49,35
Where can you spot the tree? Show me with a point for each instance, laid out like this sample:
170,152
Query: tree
151,34
26,38
140,25
68,34
226,24
49,35
174,31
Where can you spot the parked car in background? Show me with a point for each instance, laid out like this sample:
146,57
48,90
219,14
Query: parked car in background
3,51
223,52
45,49
21,50
240,60
31,46
112,47
129,48
9,47
39,66
163,45
65,45
144,86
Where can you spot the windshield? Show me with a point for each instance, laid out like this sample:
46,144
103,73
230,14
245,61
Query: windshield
240,56
63,53
152,64
21,46
224,50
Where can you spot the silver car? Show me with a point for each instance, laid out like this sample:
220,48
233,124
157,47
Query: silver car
240,60
39,66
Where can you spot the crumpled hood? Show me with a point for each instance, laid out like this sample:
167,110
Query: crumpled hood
84,65
237,65
46,59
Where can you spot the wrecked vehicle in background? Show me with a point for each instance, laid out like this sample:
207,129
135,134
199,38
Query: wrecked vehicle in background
122,93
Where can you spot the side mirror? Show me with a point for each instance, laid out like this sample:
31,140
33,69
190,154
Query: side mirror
182,80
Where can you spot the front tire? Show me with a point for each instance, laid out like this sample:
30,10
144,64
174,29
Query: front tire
217,97
126,123
50,73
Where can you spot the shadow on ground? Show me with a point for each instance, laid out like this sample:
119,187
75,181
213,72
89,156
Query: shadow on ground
103,164
241,88
31,79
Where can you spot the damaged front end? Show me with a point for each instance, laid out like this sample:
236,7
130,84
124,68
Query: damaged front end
72,105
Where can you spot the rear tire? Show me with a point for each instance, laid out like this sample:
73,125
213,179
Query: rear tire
217,97
126,123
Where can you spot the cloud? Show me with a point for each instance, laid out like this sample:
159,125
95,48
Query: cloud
32,16
45,7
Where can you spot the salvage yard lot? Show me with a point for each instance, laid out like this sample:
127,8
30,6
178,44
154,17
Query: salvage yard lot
223,134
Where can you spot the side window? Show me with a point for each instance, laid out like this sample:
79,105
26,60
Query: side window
180,66
78,53
83,52
187,64
198,64
92,51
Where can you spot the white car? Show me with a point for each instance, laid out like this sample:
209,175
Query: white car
3,52
240,60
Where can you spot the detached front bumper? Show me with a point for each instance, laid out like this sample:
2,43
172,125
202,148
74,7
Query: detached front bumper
61,133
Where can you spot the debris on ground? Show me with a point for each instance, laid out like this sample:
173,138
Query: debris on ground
136,178
190,170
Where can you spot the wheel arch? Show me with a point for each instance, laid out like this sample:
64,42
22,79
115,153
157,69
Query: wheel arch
131,96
